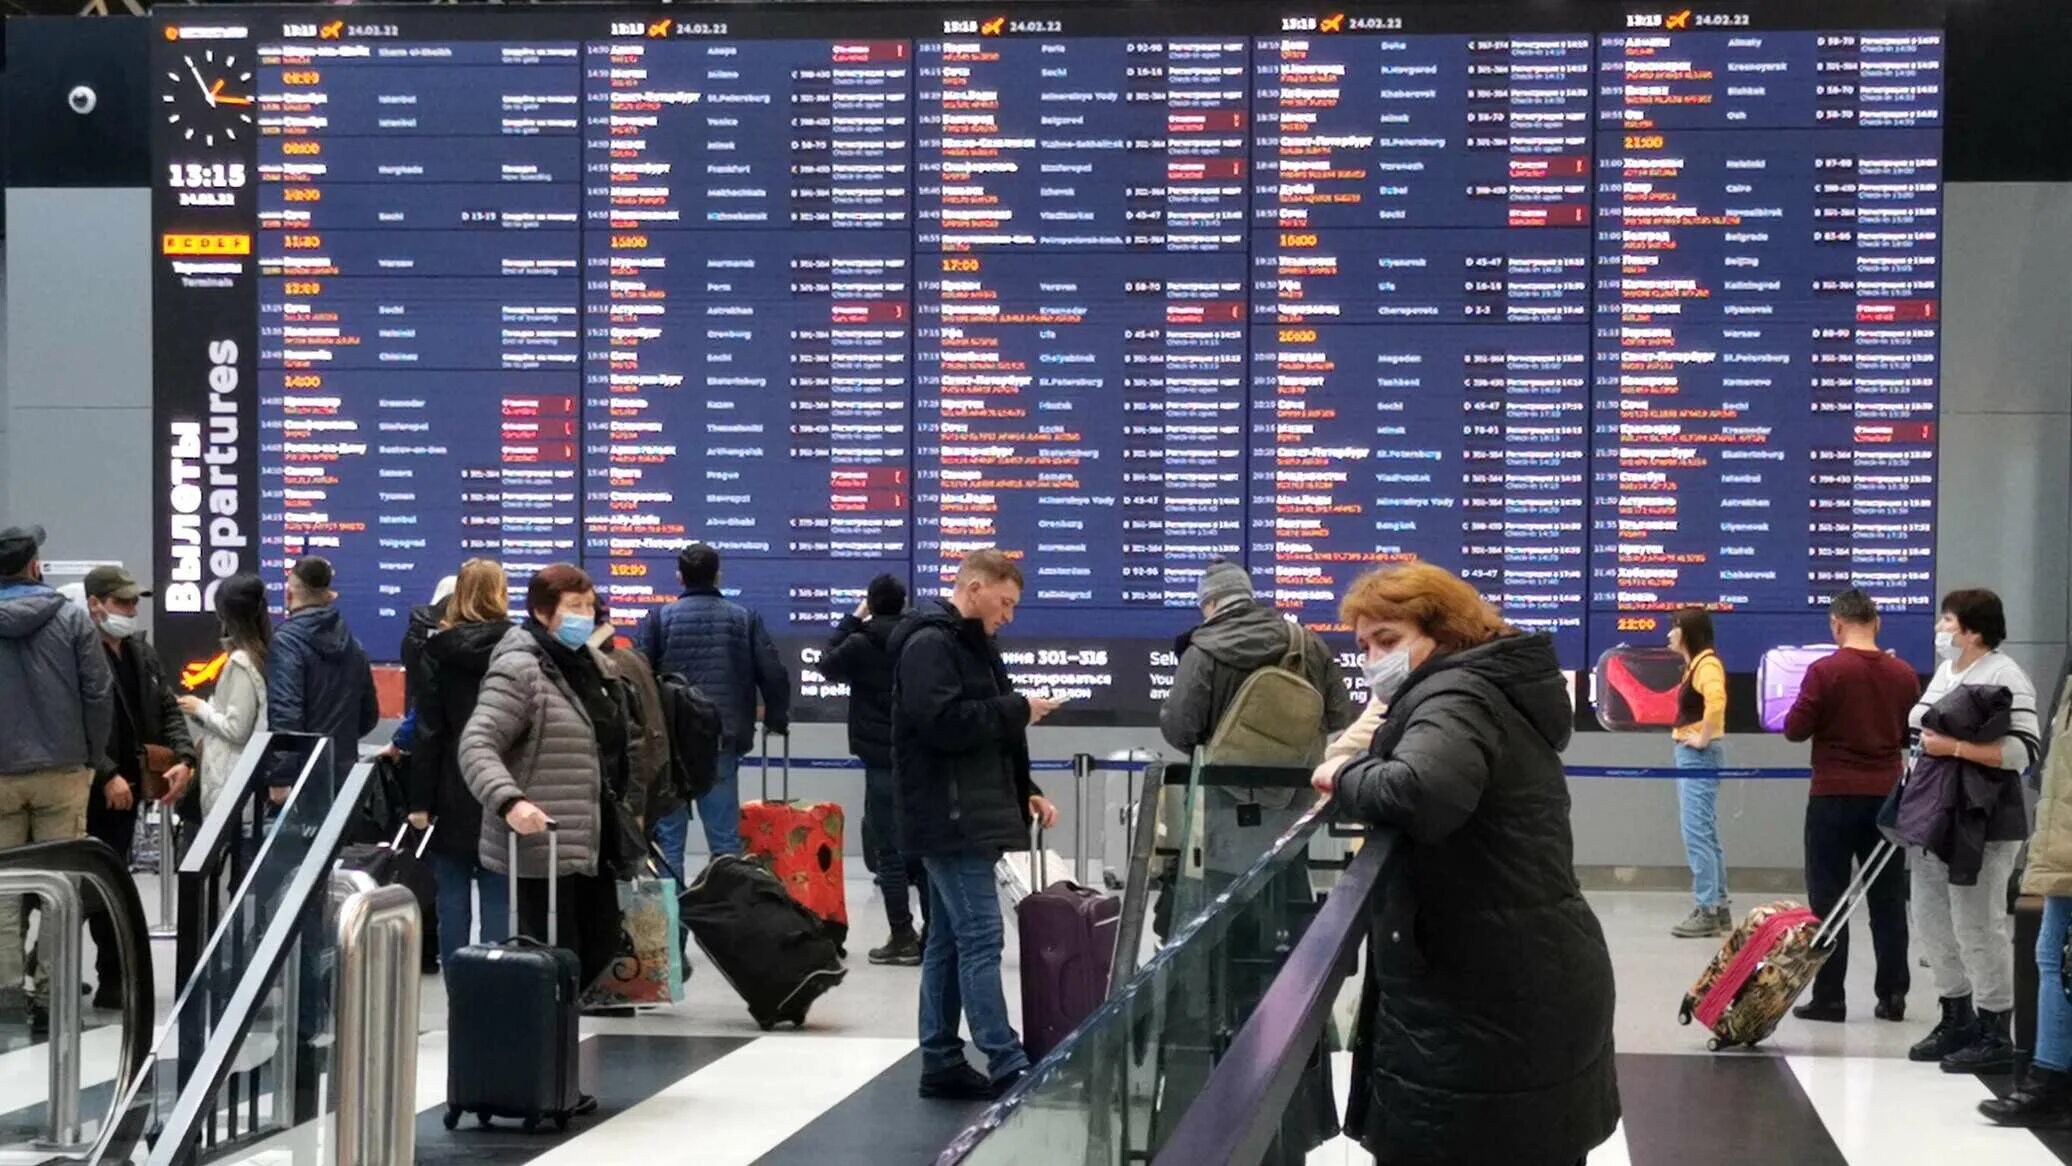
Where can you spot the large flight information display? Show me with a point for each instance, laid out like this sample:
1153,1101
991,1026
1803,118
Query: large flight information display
1612,310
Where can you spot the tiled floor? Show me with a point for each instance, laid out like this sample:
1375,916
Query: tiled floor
699,1083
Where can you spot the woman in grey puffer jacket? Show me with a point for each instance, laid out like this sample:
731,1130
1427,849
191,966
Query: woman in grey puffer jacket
546,741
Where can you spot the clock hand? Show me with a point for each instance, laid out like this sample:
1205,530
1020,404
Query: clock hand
211,97
221,99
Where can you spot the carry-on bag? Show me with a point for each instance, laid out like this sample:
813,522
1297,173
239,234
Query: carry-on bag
1068,946
394,865
1769,959
774,951
511,1007
803,841
649,968
1633,689
1780,676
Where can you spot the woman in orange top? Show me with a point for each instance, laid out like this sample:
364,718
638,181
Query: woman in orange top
1701,723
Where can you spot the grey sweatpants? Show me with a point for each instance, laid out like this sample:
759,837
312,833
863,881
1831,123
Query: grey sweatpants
1966,932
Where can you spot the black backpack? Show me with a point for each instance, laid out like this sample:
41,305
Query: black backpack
694,731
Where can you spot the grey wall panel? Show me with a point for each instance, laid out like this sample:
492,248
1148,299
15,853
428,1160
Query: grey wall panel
79,323
78,361
2007,302
2003,505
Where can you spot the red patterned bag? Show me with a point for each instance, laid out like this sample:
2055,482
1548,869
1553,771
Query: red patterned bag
803,841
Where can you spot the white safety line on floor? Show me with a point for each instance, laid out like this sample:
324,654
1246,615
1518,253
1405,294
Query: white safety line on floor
1882,1111
741,1106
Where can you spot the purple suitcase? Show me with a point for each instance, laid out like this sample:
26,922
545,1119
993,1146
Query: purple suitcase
1068,942
1780,676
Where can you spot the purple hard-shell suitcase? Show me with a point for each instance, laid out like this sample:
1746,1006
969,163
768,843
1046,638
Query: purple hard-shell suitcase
1780,676
1068,944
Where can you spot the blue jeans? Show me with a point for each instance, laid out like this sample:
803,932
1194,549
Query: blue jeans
719,810
459,882
1697,799
2053,1011
960,969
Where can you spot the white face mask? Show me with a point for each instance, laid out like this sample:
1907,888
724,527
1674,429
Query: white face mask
1946,645
1386,675
118,625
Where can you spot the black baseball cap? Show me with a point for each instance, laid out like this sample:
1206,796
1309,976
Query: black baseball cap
18,547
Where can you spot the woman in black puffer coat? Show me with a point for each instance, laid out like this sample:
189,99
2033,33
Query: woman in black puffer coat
1485,1030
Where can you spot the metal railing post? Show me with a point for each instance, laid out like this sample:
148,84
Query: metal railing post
380,940
168,874
59,950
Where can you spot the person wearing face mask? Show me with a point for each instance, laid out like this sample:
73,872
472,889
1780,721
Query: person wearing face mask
1961,914
1701,723
549,740
147,723
237,707
1485,1024
56,690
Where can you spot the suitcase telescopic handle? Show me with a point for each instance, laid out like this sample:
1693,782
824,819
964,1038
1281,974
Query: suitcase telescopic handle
553,885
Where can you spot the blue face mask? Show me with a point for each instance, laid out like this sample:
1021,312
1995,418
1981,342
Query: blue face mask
574,630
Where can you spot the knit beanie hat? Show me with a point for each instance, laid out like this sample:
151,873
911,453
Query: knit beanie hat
1224,580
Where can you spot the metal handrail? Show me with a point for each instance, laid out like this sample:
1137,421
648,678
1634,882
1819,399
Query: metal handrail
380,940
1234,1120
58,949
212,1063
63,873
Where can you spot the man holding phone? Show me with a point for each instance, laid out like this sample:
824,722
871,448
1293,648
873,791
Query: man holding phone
960,758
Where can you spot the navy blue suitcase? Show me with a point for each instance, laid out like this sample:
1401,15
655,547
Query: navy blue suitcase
512,1015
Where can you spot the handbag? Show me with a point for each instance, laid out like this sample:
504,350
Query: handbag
155,761
648,968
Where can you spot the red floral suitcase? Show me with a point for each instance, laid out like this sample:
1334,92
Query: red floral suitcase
803,842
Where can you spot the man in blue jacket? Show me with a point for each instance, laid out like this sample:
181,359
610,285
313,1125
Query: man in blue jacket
723,649
59,707
317,676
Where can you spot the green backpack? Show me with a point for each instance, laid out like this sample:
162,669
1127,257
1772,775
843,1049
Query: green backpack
1277,717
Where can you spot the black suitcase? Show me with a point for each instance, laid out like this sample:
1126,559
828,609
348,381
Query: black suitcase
389,864
775,952
512,1014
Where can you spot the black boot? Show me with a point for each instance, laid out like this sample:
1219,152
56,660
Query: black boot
2042,1102
1950,1033
1989,1050
902,950
1892,1008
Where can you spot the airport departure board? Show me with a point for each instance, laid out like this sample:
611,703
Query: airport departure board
1611,310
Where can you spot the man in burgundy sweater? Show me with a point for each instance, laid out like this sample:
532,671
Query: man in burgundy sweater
1854,708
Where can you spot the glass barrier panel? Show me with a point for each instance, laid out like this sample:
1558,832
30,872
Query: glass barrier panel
1116,1089
273,1079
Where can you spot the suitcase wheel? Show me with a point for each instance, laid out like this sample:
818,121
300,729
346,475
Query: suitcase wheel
452,1118
532,1125
482,1120
560,1123
1714,1045
765,1025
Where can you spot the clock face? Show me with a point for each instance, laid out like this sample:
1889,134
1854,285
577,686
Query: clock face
209,98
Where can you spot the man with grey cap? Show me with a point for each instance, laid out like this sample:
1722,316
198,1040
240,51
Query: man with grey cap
54,686
150,740
1237,637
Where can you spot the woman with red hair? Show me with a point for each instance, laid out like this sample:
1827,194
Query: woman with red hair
1485,1030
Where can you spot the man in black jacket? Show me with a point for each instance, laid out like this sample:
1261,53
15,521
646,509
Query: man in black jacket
317,676
960,755
147,715
860,655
